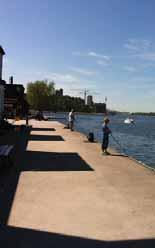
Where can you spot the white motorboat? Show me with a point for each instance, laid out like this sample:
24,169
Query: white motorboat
128,121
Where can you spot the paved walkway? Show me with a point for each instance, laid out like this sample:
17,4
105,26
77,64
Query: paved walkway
67,187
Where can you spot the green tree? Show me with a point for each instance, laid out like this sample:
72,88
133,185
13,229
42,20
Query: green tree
39,93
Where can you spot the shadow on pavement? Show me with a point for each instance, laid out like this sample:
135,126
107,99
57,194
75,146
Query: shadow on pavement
87,141
9,178
46,137
118,155
42,129
53,161
31,161
22,237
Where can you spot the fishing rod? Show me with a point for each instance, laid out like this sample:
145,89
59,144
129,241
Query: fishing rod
116,141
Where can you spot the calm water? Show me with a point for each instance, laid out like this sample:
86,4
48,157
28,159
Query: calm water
136,140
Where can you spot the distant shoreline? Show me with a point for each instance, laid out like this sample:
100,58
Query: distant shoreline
104,114
144,114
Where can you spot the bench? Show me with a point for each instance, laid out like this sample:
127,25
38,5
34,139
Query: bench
5,158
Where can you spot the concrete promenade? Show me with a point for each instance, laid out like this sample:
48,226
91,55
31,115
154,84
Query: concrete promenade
67,188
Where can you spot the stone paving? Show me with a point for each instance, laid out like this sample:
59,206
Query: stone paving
67,187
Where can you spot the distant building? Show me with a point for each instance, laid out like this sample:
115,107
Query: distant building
14,100
59,92
1,101
1,84
100,107
1,61
89,100
12,97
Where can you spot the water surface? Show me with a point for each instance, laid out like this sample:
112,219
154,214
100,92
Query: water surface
136,140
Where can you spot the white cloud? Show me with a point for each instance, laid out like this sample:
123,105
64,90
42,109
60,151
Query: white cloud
141,83
137,45
65,78
130,68
103,62
144,79
57,77
92,54
148,65
83,71
78,54
140,49
146,56
65,81
141,66
130,46
145,86
96,55
151,94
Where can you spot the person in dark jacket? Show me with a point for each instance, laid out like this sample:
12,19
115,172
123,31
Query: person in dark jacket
106,131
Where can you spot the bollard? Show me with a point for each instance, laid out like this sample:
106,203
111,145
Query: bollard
90,137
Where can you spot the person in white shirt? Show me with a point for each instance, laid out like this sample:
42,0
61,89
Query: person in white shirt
71,119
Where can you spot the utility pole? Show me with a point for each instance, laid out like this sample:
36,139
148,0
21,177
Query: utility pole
106,99
85,96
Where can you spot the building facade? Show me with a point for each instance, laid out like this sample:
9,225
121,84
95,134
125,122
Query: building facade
2,53
59,92
89,100
100,107
15,103
1,101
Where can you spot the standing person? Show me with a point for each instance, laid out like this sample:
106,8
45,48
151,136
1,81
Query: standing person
71,119
106,131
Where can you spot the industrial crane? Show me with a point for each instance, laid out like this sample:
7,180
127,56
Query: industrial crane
84,92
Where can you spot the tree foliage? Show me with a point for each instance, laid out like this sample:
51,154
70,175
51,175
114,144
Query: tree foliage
39,94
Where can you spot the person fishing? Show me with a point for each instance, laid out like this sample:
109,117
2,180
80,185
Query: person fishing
106,131
71,119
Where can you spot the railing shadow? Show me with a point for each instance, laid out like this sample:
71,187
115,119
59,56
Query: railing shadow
42,129
9,177
32,161
21,237
53,161
46,137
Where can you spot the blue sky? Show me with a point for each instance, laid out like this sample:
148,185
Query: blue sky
105,46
